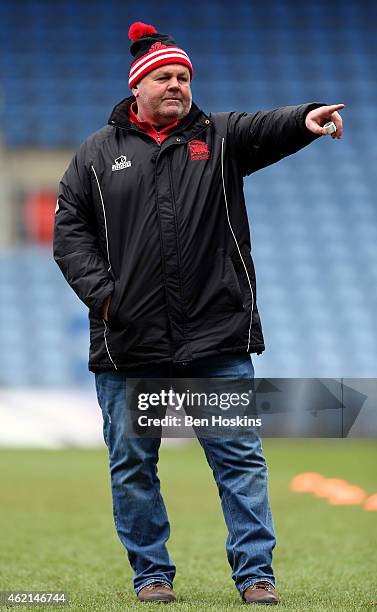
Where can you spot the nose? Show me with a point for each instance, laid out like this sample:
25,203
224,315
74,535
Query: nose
173,83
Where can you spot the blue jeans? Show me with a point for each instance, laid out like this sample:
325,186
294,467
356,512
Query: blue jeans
237,463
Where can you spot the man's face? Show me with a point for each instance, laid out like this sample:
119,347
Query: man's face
164,95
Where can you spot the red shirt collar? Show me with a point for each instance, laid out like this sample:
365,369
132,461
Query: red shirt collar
150,129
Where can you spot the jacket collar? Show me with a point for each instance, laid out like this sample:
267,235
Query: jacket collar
150,129
187,126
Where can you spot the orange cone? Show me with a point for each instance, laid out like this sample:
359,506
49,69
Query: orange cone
347,496
328,486
371,503
305,482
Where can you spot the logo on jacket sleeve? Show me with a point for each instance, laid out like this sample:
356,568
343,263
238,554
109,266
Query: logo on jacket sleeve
121,163
198,149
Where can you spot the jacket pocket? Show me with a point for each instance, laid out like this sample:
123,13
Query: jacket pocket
114,306
235,283
244,269
215,289
120,340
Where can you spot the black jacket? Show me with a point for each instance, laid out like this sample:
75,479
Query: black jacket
165,230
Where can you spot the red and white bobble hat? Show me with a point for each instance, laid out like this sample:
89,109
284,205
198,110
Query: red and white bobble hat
152,50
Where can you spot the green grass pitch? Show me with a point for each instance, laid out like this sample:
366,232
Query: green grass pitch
57,530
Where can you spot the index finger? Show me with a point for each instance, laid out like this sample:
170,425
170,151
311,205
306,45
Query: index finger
335,107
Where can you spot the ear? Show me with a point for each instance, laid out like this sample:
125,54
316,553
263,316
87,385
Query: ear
135,91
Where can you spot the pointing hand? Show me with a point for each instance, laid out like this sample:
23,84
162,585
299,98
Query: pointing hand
316,119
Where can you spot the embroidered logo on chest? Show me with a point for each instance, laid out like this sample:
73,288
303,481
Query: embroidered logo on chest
198,149
121,163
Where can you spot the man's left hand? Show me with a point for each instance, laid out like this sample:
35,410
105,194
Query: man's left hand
316,119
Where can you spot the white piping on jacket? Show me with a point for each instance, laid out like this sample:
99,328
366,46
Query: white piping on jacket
107,348
235,240
108,259
104,216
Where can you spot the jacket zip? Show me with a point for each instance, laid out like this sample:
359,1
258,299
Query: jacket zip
176,228
178,252
160,238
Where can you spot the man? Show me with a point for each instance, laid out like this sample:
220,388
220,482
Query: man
152,233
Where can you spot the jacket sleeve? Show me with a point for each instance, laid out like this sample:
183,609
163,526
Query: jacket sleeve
263,138
76,248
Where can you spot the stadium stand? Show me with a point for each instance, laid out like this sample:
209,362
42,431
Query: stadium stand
313,216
